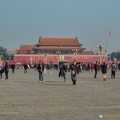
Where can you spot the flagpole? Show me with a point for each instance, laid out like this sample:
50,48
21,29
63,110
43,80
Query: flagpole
110,45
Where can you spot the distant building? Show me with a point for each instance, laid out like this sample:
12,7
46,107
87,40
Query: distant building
53,50
52,45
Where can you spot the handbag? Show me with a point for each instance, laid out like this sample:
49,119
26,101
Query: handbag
73,72
2,71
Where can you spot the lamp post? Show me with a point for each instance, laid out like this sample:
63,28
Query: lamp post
45,58
115,59
101,52
75,51
58,55
110,33
31,59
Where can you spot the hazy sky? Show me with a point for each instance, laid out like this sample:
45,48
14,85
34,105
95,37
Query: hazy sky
23,21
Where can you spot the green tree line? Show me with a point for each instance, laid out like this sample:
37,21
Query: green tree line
3,53
114,55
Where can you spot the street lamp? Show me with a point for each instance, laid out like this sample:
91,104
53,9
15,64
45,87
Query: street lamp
58,55
115,59
101,52
45,58
75,51
31,59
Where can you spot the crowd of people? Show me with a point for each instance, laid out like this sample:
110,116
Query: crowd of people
73,68
4,68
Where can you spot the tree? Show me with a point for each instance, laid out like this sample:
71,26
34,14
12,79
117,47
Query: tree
4,54
114,55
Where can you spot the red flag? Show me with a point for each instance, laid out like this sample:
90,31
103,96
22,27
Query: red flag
106,51
16,50
26,51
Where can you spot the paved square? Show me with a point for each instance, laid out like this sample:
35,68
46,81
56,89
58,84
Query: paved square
22,97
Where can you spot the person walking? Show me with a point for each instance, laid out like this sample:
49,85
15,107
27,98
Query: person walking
1,71
13,68
96,69
41,71
25,67
92,66
6,68
80,67
113,70
35,66
104,71
74,69
63,71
